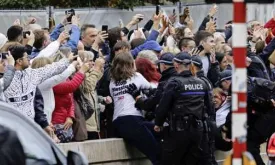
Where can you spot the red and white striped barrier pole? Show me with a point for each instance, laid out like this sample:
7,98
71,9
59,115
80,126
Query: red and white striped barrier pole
239,79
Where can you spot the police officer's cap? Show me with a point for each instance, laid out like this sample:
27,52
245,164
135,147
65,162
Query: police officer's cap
196,60
183,58
166,58
224,75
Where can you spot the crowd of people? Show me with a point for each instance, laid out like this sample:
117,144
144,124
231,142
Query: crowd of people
164,88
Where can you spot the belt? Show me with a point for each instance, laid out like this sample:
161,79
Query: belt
22,98
184,123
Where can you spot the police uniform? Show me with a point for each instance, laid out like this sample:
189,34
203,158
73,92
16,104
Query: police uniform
260,114
182,102
149,104
209,124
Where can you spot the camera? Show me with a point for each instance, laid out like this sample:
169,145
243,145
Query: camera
70,14
25,33
3,55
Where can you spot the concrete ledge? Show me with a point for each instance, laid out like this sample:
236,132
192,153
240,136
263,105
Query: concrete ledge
104,151
115,151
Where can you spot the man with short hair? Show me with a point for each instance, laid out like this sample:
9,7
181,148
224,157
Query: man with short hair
92,38
186,44
21,91
15,34
205,41
58,37
41,41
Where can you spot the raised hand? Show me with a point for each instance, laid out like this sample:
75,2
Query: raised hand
17,22
75,20
101,37
213,10
63,36
211,26
10,59
99,64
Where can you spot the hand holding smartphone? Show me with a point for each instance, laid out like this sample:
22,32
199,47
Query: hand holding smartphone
157,9
104,28
25,33
70,14
200,48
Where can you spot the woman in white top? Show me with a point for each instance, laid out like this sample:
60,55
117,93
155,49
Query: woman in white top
128,121
46,86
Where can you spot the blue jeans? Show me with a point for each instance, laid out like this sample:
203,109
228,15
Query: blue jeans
137,132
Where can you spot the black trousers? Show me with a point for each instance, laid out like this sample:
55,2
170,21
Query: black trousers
182,148
139,133
208,147
260,129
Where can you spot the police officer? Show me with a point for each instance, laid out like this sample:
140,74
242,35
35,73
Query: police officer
182,102
165,65
209,124
261,116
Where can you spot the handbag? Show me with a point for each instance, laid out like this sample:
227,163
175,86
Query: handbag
84,104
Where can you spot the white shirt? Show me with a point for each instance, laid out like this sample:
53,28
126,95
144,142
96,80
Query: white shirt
124,102
205,64
46,89
222,113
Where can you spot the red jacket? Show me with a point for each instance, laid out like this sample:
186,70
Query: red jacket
270,25
64,102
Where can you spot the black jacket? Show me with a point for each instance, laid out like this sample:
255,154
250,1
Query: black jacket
39,117
104,82
257,68
213,72
183,95
211,111
150,103
268,50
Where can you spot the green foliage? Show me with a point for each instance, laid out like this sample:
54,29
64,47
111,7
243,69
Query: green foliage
22,4
36,4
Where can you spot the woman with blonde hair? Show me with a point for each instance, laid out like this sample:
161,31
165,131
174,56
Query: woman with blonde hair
128,121
46,86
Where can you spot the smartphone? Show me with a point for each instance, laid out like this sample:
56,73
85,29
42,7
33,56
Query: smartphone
25,33
140,19
70,14
174,11
200,48
104,28
157,9
3,55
